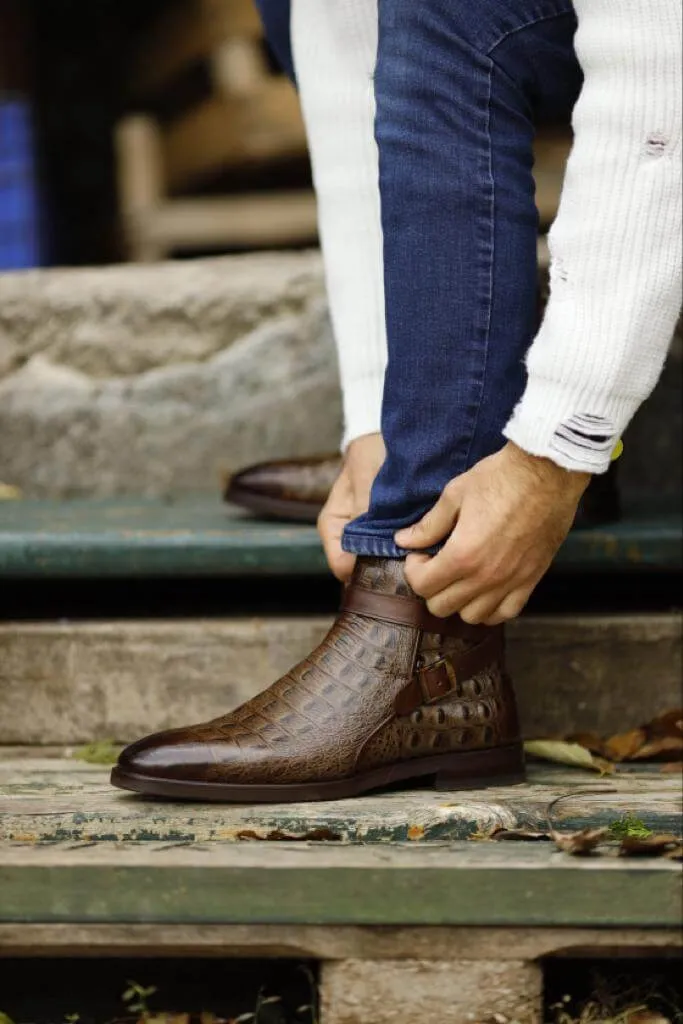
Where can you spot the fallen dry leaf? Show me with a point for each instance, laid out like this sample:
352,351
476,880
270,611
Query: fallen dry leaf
580,843
670,723
640,1016
648,846
9,493
624,745
572,754
671,746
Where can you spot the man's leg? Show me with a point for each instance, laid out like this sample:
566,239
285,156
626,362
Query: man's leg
458,88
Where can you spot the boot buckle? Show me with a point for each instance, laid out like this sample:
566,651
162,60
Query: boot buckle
437,680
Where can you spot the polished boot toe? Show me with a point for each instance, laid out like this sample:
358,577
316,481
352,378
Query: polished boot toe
292,489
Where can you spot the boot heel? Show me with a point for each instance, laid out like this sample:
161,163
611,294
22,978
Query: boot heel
478,769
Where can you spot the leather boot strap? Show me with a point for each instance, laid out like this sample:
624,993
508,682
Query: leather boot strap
407,611
444,676
434,682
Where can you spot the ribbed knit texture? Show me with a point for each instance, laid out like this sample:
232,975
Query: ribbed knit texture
615,245
335,51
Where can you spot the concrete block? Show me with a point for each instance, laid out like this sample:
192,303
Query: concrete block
64,683
429,991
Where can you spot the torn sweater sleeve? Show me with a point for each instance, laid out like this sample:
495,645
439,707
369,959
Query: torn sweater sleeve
615,245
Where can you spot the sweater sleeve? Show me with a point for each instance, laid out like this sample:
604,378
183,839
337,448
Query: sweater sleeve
335,51
615,245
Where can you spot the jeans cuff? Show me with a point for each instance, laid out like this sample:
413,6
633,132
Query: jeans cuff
370,545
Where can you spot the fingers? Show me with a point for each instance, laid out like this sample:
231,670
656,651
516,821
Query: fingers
331,528
456,563
434,526
509,608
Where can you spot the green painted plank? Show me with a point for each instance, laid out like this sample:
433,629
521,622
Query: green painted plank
59,800
441,884
201,537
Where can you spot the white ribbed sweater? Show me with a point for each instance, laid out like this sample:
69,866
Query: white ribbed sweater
615,244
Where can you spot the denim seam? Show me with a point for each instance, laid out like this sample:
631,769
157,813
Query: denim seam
527,24
491,259
370,546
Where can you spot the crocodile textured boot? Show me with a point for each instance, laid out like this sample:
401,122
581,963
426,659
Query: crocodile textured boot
391,694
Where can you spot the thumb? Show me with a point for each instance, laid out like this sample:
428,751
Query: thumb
438,522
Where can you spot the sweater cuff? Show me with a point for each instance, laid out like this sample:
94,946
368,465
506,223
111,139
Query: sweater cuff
576,428
362,407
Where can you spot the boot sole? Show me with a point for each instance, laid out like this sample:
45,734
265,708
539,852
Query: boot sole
274,508
472,769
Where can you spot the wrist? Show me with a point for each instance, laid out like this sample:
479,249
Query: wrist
547,472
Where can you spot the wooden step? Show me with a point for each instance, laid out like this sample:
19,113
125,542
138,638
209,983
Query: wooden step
80,681
200,537
403,912
60,799
480,884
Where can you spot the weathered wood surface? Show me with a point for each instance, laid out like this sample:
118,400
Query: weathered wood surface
334,942
449,883
129,538
52,800
572,672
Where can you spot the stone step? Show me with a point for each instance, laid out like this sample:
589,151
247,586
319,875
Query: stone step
154,379
74,682
201,537
60,799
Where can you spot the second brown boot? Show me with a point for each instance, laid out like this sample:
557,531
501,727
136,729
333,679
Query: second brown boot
292,489
391,694
297,489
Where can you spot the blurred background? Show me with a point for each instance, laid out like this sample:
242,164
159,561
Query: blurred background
139,131
134,131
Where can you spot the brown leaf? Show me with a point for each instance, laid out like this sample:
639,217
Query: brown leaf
580,843
640,1016
671,766
668,724
671,746
624,745
650,846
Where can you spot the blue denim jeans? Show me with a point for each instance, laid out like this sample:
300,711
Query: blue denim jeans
459,89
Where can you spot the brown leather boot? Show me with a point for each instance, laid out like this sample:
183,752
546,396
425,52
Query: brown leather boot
297,489
391,694
293,489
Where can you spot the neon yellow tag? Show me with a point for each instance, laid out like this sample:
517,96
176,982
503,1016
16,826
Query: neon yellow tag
618,449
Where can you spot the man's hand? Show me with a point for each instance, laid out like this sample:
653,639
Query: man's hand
349,497
508,516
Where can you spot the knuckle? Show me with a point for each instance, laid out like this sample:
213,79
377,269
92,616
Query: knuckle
437,606
451,491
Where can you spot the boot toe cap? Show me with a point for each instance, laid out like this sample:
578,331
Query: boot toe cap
170,754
